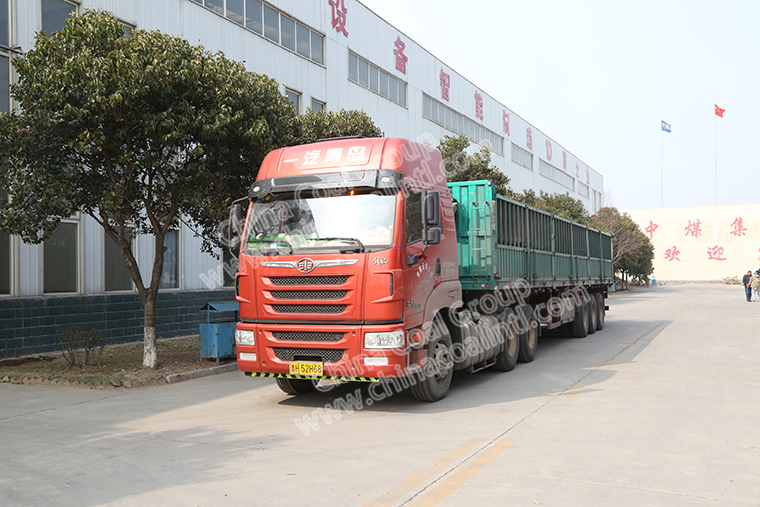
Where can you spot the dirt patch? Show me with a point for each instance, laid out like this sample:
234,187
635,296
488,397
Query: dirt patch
119,367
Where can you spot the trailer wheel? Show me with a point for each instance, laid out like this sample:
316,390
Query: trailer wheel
580,324
507,358
295,386
593,314
434,381
600,311
529,335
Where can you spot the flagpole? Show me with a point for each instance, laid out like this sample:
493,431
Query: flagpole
662,170
716,158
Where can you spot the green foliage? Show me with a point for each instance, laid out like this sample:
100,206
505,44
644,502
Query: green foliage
139,129
313,126
632,251
461,166
561,205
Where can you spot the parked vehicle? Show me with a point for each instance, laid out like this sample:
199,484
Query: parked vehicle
358,262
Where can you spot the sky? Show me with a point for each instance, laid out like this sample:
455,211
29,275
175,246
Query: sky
599,76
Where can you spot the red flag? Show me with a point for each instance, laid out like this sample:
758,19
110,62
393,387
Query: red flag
719,111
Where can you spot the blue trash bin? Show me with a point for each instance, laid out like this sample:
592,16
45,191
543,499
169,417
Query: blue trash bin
218,338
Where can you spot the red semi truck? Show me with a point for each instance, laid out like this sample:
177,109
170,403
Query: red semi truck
358,262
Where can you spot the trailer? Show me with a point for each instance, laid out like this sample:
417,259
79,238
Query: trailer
358,262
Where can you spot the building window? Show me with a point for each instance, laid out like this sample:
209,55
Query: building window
170,275
5,80
583,189
272,24
55,13
5,25
449,119
522,157
413,217
60,259
5,254
363,73
294,98
317,105
547,170
117,276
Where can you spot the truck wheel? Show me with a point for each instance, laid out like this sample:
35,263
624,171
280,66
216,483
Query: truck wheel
295,386
599,311
529,335
507,358
593,314
433,383
580,324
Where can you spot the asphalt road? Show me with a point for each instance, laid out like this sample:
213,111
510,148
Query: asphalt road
662,407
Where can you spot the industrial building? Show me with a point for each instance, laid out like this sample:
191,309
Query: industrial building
325,54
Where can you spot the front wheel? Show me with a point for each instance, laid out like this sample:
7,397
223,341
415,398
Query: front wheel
295,386
434,381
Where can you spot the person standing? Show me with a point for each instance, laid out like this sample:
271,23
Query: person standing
747,288
754,282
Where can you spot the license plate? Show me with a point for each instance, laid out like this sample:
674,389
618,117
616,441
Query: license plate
306,368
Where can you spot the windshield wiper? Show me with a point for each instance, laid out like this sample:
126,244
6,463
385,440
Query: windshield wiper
279,241
358,248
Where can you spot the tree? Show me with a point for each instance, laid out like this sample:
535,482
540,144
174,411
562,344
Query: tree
558,204
461,166
632,251
133,131
313,126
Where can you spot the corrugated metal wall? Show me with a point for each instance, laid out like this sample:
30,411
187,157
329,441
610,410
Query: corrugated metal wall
707,243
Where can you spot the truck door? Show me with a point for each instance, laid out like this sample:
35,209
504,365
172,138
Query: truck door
418,269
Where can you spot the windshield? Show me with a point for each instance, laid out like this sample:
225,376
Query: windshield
347,223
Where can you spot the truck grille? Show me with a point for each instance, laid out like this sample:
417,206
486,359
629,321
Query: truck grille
308,280
306,337
309,294
321,355
308,308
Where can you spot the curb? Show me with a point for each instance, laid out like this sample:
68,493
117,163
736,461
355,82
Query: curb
190,375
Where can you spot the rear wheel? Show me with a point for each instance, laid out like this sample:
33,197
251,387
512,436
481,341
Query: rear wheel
580,324
507,358
433,383
600,311
295,386
593,314
528,335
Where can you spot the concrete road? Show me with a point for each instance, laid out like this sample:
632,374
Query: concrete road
662,407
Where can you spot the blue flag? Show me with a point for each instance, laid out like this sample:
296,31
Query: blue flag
665,126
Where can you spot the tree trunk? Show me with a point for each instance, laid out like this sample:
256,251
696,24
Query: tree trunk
150,355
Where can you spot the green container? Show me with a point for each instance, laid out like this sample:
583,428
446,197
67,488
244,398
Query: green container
501,241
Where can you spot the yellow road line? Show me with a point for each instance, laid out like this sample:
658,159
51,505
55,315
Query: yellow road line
463,475
426,473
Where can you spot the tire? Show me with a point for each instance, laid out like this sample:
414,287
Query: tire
600,311
295,386
433,387
529,336
507,358
593,314
580,324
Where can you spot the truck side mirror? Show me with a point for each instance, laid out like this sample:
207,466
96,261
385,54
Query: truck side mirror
235,228
433,236
432,208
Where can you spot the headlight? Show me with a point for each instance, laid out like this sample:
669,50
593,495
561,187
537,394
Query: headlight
244,337
389,340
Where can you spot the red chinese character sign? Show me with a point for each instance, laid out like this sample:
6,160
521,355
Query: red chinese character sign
715,253
739,229
671,254
401,58
445,85
651,228
693,229
529,138
339,16
505,117
548,150
564,160
478,105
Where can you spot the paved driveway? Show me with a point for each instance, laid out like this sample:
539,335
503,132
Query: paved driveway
662,407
